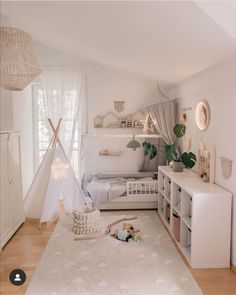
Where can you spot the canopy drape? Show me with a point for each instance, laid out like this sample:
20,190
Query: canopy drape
163,116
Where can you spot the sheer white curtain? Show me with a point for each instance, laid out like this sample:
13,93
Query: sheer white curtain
61,94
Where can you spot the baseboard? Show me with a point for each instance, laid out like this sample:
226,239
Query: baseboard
233,267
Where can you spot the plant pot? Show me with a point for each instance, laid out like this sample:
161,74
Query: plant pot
178,166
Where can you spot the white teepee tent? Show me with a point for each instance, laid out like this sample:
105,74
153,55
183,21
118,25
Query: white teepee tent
54,179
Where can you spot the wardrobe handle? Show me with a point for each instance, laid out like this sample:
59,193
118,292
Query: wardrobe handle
12,181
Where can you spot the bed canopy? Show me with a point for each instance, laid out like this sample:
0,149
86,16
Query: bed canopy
163,117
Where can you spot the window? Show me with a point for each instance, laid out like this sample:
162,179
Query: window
61,104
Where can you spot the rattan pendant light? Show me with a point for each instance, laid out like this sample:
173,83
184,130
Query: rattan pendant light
18,65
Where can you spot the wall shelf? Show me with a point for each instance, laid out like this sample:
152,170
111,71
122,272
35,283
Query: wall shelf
107,153
111,120
122,135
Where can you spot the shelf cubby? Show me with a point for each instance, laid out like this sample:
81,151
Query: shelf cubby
161,183
175,225
185,240
167,188
186,208
176,197
167,212
161,204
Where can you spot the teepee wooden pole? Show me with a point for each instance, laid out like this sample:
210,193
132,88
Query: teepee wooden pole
55,131
51,144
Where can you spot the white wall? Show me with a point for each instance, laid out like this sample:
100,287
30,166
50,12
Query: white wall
51,57
104,85
128,161
217,86
6,113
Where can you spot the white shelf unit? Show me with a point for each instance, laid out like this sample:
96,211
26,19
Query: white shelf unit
204,214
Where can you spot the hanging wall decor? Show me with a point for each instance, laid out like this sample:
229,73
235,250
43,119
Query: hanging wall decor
119,106
133,144
18,65
202,115
206,162
226,167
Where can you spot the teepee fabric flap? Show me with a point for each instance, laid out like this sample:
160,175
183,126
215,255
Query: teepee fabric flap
54,179
33,203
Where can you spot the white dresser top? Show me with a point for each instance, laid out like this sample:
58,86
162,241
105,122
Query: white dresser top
192,183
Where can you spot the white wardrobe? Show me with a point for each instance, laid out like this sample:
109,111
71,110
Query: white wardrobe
11,199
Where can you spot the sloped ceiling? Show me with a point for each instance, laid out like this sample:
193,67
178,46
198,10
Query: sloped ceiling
164,40
223,13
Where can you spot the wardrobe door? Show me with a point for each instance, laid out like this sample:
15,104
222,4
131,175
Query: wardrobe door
5,214
14,179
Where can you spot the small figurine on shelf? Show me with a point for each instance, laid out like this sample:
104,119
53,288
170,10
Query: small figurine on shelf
123,123
205,178
129,123
135,124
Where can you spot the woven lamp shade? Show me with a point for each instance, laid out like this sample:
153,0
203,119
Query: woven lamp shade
18,65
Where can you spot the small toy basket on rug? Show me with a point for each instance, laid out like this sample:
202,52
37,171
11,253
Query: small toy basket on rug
86,221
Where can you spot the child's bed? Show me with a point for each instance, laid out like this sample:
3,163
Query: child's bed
111,191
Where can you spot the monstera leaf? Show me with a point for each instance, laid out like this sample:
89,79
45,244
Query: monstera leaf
170,151
149,149
146,148
179,130
152,152
188,159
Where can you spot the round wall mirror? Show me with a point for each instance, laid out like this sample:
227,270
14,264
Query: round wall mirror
202,115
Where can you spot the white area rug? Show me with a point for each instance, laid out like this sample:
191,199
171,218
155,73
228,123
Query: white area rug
110,267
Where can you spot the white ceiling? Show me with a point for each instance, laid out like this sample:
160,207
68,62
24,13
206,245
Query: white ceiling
223,12
165,40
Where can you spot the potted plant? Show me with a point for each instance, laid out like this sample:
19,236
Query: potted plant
172,153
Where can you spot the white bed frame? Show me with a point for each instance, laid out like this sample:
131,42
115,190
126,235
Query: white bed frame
140,195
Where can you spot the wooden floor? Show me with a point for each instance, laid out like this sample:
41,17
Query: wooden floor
22,251
25,248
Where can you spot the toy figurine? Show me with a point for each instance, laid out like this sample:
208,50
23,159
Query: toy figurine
128,233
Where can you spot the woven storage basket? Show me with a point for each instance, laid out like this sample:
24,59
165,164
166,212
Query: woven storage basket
86,221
